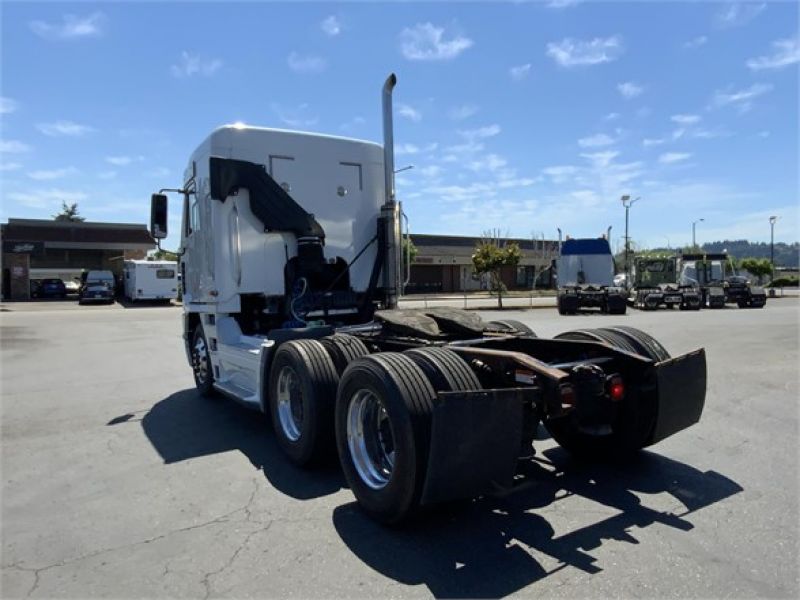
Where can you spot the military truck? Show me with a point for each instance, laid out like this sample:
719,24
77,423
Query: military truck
655,284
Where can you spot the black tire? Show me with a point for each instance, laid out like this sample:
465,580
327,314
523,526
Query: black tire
445,369
511,324
202,369
343,349
560,305
303,427
611,338
650,347
401,390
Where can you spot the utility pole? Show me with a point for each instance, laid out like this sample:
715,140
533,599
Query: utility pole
772,245
694,243
627,203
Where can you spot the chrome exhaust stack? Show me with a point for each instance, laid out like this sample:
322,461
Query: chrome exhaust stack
390,212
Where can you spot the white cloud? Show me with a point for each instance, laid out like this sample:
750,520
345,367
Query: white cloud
673,157
685,119
299,116
7,105
647,142
611,116
331,26
49,175
562,3
123,161
425,41
159,172
601,159
629,89
786,52
70,28
570,52
459,113
700,40
352,124
741,99
480,133
52,197
64,128
594,141
470,147
107,175
306,64
401,149
737,13
560,173
13,147
520,72
409,112
4,166
431,171
194,64
490,162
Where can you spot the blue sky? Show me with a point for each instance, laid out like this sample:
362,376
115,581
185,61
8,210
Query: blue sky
521,117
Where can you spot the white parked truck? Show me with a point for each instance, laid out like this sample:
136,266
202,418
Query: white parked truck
150,280
290,256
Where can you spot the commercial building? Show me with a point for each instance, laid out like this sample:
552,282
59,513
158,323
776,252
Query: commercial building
444,264
32,246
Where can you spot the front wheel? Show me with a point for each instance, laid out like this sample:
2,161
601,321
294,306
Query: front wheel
383,430
201,363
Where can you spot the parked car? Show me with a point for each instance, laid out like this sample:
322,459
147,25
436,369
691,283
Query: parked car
96,286
73,286
51,288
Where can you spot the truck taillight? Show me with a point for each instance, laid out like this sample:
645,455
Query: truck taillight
616,388
567,394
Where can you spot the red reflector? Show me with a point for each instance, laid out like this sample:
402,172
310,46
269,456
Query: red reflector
616,389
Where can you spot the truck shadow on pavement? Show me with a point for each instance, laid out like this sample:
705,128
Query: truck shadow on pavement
185,425
477,549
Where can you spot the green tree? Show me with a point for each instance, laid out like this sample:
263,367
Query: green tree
69,212
165,255
409,250
756,266
490,256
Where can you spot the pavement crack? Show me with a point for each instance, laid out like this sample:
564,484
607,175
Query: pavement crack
37,571
206,581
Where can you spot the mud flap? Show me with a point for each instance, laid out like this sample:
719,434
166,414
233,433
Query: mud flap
681,389
475,441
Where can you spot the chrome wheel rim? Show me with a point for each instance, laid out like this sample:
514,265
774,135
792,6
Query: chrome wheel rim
200,360
290,403
370,439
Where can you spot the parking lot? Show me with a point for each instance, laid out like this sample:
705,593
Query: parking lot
120,481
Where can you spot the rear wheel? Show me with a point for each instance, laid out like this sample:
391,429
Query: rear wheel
383,430
513,325
343,349
201,363
645,344
445,369
302,389
630,428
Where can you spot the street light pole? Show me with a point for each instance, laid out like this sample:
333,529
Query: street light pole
772,245
694,242
627,203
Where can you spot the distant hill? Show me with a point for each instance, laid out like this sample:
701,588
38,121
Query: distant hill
786,255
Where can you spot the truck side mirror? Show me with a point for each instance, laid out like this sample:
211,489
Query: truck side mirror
158,216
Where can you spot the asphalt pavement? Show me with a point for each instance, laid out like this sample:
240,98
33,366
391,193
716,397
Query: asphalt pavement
118,480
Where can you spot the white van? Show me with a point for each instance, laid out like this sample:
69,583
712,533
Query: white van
150,280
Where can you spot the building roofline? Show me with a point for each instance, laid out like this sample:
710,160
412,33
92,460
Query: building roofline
74,224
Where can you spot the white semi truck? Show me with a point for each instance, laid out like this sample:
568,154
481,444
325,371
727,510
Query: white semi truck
290,255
